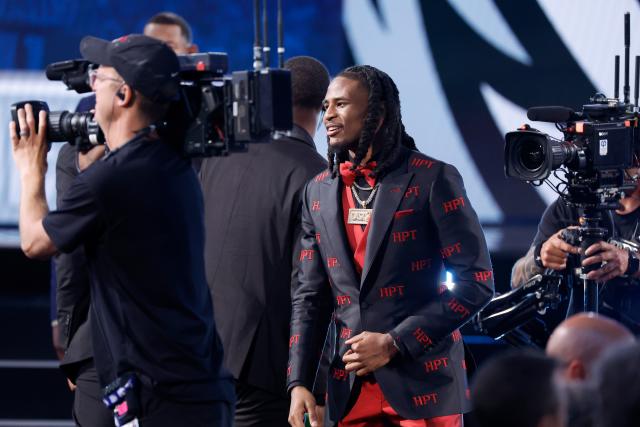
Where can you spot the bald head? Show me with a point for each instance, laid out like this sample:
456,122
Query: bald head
579,341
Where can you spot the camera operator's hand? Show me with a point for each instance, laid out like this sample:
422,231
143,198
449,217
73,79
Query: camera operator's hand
302,401
90,156
87,159
30,146
617,261
554,252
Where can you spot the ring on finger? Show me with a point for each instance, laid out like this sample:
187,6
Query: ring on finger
24,133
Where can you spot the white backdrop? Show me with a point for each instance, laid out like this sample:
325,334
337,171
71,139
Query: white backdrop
395,40
22,86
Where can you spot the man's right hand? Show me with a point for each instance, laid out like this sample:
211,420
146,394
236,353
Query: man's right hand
554,252
302,401
91,156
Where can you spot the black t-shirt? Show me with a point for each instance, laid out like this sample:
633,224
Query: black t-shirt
139,214
619,298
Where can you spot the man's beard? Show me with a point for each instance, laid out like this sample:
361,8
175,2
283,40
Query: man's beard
345,146
344,152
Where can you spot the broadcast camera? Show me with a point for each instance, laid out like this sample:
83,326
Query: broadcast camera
601,142
218,112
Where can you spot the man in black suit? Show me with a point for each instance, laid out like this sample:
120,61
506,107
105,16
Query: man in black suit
252,214
378,227
71,328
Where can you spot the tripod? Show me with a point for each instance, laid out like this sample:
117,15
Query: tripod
584,291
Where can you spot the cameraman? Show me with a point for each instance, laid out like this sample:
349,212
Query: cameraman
71,327
138,213
620,294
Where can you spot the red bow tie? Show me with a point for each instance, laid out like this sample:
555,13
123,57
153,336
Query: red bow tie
349,176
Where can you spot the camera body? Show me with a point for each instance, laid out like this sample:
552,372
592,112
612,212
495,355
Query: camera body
214,114
599,144
225,112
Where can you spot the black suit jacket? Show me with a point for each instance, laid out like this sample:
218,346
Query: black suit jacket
252,215
72,274
422,221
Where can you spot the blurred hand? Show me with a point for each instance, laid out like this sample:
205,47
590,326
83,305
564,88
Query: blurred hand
87,159
320,414
302,401
554,252
617,261
369,351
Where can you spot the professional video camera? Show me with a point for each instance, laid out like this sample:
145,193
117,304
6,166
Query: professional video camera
600,143
219,112
230,111
79,129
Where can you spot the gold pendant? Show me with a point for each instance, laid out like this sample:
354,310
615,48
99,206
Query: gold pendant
359,216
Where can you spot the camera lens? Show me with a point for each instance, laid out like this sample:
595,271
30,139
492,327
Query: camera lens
525,155
75,128
531,154
56,126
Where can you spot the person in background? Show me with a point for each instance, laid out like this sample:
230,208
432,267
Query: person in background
518,388
252,218
578,344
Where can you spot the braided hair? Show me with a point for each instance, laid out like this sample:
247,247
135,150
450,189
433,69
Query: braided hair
383,100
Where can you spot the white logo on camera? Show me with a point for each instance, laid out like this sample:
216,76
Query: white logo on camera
604,147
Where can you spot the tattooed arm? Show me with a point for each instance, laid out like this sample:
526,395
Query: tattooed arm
554,251
553,254
524,269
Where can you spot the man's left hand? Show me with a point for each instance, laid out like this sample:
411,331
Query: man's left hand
617,261
369,351
30,146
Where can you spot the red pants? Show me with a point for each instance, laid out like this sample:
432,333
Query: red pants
372,410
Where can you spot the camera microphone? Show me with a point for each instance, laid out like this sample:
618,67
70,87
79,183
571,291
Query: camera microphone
552,114
73,73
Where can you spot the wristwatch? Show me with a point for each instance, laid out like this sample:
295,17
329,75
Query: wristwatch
633,265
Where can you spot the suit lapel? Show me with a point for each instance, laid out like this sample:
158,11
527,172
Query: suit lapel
390,193
333,220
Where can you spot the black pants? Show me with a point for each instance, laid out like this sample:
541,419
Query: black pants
89,411
258,407
159,412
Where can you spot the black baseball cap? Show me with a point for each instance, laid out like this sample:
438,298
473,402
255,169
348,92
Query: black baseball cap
146,64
